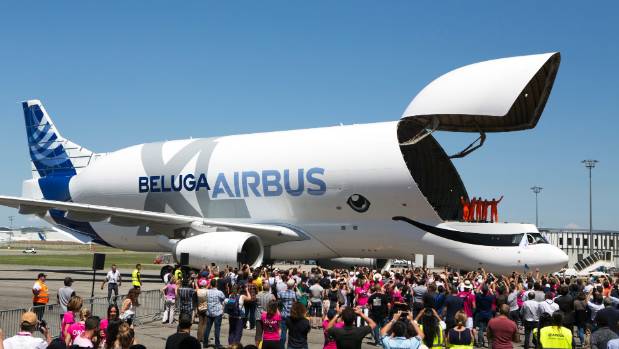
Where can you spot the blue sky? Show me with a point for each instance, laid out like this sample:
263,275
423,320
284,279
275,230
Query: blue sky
117,73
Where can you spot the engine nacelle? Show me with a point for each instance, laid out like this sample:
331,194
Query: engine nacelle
224,247
344,262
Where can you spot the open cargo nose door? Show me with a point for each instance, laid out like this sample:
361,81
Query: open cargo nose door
501,95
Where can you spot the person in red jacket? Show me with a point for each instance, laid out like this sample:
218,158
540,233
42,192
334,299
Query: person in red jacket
480,206
473,210
465,209
494,212
484,210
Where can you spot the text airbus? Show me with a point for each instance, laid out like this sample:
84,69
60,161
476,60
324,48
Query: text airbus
267,183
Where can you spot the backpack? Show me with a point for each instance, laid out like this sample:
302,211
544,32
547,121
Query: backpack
232,307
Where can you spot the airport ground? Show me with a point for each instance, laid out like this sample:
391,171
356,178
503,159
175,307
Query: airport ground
18,272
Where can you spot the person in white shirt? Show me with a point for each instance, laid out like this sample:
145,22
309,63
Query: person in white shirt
24,338
548,305
315,310
530,317
613,344
113,280
595,304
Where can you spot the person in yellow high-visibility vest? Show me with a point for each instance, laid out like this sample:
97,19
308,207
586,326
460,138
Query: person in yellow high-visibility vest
556,336
433,334
136,279
178,273
40,295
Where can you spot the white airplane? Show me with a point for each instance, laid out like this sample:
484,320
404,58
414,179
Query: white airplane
345,193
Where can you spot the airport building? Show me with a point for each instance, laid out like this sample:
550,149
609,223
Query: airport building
9,235
575,243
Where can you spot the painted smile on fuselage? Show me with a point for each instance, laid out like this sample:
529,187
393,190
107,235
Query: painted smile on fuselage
494,240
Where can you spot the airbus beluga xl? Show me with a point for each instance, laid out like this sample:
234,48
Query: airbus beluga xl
380,191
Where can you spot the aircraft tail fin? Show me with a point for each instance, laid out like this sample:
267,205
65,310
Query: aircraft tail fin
51,154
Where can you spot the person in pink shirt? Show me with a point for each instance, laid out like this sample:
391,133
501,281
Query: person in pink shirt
73,309
330,342
113,313
469,302
76,328
396,296
362,294
170,292
271,329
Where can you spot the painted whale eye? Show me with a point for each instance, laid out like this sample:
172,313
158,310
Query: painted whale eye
358,203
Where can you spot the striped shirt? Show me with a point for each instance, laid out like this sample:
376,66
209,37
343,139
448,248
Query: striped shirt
186,299
286,298
214,300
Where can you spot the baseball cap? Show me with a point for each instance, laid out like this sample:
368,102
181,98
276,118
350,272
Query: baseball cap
41,274
30,318
377,276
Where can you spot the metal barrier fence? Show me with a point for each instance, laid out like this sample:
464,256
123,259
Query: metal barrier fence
151,307
10,321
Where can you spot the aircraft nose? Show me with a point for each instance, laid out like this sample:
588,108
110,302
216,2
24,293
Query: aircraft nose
564,257
559,259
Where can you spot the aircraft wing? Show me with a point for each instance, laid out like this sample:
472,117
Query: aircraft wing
157,221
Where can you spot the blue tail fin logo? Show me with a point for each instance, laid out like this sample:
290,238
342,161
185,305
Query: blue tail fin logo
47,152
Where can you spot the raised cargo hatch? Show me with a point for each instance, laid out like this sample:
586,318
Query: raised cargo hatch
501,95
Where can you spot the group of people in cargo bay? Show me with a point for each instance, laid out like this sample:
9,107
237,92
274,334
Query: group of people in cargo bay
476,209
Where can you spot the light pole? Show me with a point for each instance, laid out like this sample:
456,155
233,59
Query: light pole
11,230
536,190
590,164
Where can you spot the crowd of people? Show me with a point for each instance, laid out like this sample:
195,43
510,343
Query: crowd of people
412,308
476,210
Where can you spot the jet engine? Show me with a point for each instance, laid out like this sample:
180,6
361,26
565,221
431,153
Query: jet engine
223,247
375,263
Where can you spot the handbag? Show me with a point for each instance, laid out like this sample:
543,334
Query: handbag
202,308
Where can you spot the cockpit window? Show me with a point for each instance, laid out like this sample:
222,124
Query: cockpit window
536,238
516,239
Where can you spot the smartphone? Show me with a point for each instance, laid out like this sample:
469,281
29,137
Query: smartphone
42,326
